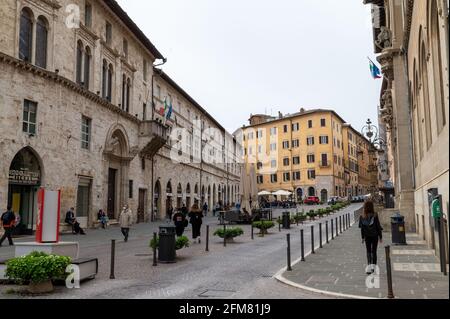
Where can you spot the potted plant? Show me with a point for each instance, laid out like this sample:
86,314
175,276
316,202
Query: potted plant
320,212
263,226
328,211
311,214
229,233
180,242
37,269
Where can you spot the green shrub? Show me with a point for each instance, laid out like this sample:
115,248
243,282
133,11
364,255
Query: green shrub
312,214
180,242
264,224
229,233
37,267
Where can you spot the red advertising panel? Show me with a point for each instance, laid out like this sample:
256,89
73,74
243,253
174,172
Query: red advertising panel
47,226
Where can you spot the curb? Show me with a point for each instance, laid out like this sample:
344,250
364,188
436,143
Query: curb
279,276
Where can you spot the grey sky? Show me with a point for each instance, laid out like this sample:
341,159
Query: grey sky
237,57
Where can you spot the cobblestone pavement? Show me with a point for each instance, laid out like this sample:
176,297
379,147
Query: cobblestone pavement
243,269
340,268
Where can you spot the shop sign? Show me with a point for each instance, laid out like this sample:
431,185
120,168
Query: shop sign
24,177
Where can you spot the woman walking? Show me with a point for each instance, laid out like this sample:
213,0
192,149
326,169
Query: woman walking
196,217
371,233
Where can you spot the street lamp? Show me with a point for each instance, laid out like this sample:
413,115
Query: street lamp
371,132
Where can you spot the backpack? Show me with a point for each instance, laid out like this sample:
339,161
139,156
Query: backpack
7,217
369,227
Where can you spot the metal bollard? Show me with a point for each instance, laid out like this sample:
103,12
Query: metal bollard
155,263
337,227
320,235
279,224
302,245
326,231
332,229
253,232
288,239
207,238
389,272
312,240
224,236
340,224
113,255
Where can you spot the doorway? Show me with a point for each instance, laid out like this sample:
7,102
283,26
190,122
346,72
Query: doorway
112,176
141,205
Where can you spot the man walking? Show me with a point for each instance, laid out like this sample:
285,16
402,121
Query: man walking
125,222
7,220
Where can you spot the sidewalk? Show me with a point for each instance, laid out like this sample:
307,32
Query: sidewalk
338,269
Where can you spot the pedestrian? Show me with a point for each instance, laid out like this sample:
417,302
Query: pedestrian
169,211
8,221
73,222
196,217
180,222
184,210
371,233
125,221
216,209
205,209
103,218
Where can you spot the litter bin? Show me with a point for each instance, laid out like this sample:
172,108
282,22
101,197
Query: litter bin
286,220
398,229
166,247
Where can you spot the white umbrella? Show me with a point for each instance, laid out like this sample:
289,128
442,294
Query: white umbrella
282,193
244,189
253,187
264,193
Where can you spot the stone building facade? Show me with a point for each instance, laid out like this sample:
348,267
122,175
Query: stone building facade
412,40
77,114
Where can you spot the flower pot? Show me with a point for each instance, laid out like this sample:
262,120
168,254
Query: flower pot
229,240
40,287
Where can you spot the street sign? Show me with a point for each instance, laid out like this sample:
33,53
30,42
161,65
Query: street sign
436,208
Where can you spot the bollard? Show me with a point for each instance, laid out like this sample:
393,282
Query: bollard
155,263
296,218
224,236
389,272
312,240
279,224
320,235
253,232
332,229
302,245
113,255
348,219
288,239
326,231
337,227
340,224
207,238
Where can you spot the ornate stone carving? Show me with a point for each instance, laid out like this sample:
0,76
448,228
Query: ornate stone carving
386,60
386,108
384,39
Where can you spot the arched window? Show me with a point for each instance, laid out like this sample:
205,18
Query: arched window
104,79
87,67
79,61
426,97
26,35
41,42
110,77
128,95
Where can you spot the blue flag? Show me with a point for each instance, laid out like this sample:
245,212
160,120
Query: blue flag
374,70
169,111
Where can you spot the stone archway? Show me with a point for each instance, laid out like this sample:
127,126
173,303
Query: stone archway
214,195
169,195
311,191
188,196
119,155
157,197
323,195
209,198
179,196
299,194
25,177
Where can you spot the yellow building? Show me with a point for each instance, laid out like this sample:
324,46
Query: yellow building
302,153
349,136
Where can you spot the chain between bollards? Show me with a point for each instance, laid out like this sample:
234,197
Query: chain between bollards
312,240
326,231
207,238
288,239
389,272
320,235
155,263
113,257
302,242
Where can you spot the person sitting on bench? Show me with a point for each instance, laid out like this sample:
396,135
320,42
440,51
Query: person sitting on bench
72,221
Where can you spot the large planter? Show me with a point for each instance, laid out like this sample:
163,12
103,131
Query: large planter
43,287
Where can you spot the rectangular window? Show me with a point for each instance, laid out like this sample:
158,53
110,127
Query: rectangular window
286,161
311,174
145,69
250,150
259,149
144,112
295,127
295,143
324,160
260,133
285,128
108,33
323,122
338,143
273,131
158,92
323,140
273,146
310,123
143,163
285,144
273,178
310,140
286,177
296,160
260,179
88,15
296,176
310,158
273,163
29,117
85,132
130,188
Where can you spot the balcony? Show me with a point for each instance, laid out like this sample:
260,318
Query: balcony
324,164
153,136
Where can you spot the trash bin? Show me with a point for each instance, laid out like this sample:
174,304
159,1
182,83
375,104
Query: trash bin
166,247
286,220
398,229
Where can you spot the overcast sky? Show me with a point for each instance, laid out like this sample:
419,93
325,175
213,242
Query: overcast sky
237,57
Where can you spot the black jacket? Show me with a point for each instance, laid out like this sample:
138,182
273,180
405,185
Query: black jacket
370,227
